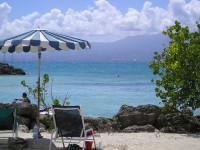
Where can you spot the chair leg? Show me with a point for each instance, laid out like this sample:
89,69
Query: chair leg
60,132
94,142
83,145
15,135
50,144
56,135
63,142
84,142
51,140
16,132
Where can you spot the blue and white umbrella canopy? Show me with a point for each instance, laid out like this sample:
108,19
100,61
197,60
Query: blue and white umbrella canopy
41,40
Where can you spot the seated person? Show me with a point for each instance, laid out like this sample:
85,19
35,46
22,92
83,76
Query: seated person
25,98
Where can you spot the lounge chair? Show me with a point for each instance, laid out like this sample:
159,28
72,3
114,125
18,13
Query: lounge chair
8,121
69,126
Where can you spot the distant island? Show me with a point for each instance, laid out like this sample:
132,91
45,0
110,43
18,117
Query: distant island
6,69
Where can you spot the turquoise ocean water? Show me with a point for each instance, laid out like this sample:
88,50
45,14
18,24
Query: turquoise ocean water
100,87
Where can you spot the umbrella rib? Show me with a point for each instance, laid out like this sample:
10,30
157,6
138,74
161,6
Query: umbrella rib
69,44
30,32
51,40
66,37
69,39
59,37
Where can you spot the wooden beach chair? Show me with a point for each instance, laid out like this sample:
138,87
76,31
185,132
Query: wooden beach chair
8,122
69,126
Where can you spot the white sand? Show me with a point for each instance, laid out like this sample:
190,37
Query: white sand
150,141
130,141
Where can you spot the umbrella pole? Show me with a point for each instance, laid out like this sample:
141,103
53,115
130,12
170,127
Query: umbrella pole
39,62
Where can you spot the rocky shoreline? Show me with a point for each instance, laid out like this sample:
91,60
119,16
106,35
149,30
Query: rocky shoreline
147,118
129,119
6,69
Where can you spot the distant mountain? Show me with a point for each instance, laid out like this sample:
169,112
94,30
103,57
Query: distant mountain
133,48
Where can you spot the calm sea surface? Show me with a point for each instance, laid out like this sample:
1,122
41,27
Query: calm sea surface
101,87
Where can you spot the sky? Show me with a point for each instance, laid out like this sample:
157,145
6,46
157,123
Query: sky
96,20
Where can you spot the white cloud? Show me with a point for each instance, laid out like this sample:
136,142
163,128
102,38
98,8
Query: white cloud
30,17
16,26
186,13
4,10
104,22
52,20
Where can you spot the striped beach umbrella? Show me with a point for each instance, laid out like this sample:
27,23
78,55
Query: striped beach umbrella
41,40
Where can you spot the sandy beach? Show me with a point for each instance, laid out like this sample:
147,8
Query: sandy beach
123,141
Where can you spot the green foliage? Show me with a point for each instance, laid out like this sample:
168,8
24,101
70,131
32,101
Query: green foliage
169,109
48,123
33,90
178,68
56,102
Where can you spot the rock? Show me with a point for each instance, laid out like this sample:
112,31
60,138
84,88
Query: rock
100,124
6,69
177,123
187,111
17,143
27,110
24,121
168,130
147,118
42,129
18,71
23,128
136,129
141,115
27,113
197,117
